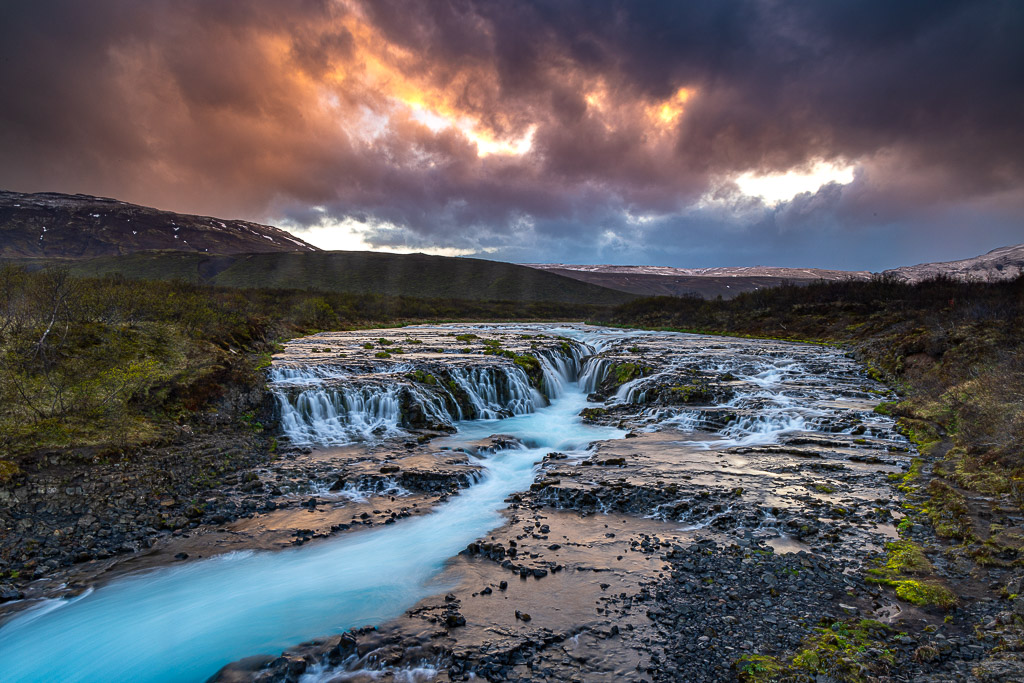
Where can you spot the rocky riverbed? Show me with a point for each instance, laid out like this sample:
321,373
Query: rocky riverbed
733,525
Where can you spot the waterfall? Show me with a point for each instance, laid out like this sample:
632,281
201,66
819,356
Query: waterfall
333,405
333,416
635,391
561,367
594,372
495,392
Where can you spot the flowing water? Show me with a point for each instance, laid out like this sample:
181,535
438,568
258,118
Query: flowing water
183,623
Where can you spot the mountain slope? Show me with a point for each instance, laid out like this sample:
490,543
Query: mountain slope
412,275
705,282
49,224
716,271
1004,263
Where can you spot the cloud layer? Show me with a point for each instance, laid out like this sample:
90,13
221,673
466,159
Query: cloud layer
576,130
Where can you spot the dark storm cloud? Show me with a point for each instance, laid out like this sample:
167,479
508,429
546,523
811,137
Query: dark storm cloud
374,111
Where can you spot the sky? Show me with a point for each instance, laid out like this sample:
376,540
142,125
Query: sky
854,134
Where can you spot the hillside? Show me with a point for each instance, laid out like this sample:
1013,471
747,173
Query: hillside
49,224
715,271
1004,263
644,284
413,275
708,283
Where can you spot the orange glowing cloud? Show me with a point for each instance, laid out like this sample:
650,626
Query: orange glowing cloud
417,123
668,112
394,83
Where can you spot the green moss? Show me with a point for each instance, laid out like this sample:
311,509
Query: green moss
531,366
492,347
925,593
875,374
906,479
591,414
922,433
971,471
905,558
948,511
368,345
8,471
249,419
757,668
384,342
627,372
841,650
464,338
422,377
692,393
382,354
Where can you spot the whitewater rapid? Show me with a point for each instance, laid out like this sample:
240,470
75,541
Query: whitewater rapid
183,623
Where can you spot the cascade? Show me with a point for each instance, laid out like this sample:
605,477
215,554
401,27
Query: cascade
495,392
594,372
337,415
183,622
325,406
332,404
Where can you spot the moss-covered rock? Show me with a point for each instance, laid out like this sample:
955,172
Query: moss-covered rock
593,414
531,366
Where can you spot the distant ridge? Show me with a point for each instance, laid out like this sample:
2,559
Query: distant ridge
999,264
96,236
1003,263
717,271
50,224
709,283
